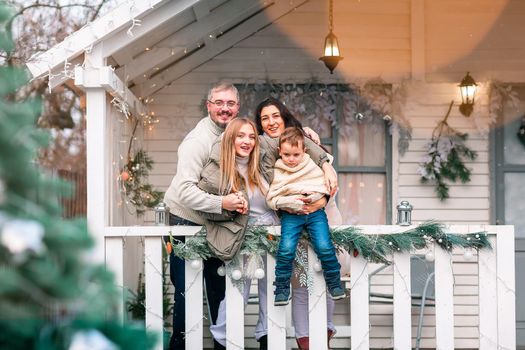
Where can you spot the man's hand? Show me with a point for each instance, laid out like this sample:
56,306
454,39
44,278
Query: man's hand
312,135
235,202
309,207
330,178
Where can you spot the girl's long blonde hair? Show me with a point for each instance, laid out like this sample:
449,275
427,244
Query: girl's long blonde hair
231,179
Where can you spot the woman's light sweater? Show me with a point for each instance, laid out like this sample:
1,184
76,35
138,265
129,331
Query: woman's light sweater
259,212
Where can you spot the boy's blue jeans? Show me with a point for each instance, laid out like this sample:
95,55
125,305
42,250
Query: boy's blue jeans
316,224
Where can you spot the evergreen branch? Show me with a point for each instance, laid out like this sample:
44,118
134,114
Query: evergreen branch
375,248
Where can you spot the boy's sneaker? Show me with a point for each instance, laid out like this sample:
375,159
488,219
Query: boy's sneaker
282,298
337,293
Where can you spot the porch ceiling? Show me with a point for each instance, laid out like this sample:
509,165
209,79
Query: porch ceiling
170,39
197,35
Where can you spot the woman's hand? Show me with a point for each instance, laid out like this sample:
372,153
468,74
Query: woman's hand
330,178
309,207
235,202
312,135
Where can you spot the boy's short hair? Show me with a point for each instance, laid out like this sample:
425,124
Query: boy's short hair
293,136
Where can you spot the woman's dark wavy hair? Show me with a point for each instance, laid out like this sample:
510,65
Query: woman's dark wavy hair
288,118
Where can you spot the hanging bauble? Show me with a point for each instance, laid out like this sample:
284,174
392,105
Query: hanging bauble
317,266
124,176
355,253
259,274
221,271
468,255
195,264
359,116
236,274
429,256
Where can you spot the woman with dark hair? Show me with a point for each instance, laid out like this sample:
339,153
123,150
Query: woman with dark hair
285,114
272,117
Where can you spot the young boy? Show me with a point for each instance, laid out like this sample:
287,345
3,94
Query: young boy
297,177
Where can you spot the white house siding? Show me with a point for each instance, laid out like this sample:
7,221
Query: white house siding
375,37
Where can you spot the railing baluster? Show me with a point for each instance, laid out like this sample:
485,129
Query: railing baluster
276,314
402,302
444,299
488,297
115,263
317,306
234,317
506,288
193,306
153,274
360,314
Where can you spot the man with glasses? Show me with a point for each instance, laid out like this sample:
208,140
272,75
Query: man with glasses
184,198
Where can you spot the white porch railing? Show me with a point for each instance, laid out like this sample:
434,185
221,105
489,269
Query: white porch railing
496,293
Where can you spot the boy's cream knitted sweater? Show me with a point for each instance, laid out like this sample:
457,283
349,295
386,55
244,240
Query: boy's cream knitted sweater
306,180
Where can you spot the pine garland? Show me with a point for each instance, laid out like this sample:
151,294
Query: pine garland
375,248
443,160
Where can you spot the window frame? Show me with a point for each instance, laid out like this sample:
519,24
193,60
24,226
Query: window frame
359,169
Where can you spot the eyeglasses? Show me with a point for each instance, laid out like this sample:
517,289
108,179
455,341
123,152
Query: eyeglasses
221,103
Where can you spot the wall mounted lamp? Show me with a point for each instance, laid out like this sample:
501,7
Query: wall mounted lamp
467,88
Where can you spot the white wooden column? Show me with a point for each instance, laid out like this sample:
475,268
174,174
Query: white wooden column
444,299
317,306
154,300
488,297
402,302
96,150
360,314
506,288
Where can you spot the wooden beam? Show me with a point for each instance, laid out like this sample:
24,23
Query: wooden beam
106,78
148,24
220,44
190,37
91,34
65,72
201,10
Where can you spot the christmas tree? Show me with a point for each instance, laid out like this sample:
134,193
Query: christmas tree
50,297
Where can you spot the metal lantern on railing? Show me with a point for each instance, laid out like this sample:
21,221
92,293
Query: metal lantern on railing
404,214
162,214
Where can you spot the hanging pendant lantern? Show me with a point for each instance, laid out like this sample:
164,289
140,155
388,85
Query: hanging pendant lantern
331,47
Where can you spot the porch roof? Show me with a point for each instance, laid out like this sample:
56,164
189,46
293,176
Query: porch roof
153,43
